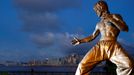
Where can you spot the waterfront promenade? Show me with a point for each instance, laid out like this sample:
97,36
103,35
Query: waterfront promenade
48,70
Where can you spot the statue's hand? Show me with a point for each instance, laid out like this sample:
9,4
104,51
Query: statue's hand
75,41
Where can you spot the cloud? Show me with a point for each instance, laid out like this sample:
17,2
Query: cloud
47,5
49,39
58,44
40,16
16,55
43,40
39,23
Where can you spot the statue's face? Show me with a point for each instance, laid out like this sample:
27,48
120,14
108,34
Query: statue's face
98,12
100,8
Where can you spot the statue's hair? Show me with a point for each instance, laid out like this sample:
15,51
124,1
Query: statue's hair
101,5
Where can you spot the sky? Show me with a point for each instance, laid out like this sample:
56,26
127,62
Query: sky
39,29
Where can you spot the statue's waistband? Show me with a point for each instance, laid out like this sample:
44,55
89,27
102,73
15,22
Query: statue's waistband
108,38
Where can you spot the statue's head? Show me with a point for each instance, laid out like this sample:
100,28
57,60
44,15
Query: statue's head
100,7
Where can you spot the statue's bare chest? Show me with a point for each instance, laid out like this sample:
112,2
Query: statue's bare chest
108,29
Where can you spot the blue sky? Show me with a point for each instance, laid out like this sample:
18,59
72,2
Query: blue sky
37,29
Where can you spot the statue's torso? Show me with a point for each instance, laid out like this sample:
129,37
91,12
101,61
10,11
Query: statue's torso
108,30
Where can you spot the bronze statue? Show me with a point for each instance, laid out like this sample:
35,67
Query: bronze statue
107,48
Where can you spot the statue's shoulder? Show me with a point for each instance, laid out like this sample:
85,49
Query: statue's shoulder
117,16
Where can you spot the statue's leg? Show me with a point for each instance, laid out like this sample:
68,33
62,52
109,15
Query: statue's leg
90,60
122,60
